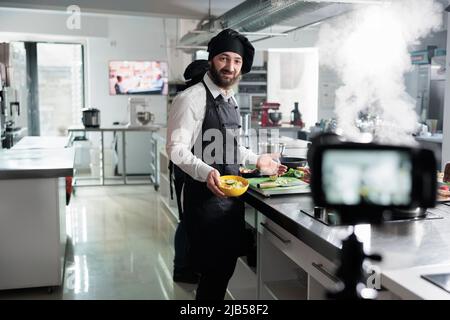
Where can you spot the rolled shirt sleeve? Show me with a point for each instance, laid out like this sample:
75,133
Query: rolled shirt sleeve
247,156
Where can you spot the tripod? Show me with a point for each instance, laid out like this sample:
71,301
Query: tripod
351,270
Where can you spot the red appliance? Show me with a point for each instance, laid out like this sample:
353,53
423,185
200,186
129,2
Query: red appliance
265,107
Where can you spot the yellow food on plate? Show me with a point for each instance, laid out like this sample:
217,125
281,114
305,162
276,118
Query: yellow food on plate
233,186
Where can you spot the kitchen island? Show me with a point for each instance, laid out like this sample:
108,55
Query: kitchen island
32,212
310,250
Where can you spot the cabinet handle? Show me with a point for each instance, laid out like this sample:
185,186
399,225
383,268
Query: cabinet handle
320,268
285,241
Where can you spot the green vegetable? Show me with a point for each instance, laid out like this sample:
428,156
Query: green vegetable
293,173
230,182
298,174
282,181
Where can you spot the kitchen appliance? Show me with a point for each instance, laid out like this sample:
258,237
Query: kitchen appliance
2,75
296,117
139,112
91,118
145,117
10,113
291,162
14,93
263,111
275,118
4,82
426,83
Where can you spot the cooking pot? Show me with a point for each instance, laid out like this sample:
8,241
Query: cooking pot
91,118
292,162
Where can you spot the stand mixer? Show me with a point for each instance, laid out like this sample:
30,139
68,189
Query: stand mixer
272,118
139,112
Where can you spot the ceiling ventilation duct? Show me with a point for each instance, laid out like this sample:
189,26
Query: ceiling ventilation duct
252,16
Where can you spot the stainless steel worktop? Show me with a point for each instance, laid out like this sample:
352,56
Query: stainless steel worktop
436,138
153,128
283,127
402,244
41,143
38,157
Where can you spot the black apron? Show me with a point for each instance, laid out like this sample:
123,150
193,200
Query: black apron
215,226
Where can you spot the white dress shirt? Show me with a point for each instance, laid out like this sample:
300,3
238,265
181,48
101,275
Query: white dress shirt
185,124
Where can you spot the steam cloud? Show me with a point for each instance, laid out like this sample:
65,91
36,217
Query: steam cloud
368,49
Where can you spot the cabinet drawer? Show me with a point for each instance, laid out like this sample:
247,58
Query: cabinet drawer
316,265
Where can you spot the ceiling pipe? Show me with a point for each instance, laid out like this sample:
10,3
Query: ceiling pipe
252,16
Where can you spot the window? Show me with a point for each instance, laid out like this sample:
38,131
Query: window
61,90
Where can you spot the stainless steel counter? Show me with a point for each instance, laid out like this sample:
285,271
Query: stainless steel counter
36,163
154,127
437,138
402,244
283,127
42,143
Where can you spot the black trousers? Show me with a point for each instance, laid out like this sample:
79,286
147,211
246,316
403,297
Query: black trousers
213,283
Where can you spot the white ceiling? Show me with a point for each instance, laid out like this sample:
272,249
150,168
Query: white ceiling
188,9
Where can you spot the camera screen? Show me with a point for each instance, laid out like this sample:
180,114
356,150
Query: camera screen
370,177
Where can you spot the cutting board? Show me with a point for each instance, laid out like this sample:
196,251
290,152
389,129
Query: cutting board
303,187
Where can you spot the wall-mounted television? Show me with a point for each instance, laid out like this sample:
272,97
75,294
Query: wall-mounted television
138,77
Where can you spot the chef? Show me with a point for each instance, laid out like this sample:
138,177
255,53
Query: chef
202,140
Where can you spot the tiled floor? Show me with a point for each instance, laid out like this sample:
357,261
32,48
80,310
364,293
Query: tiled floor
120,247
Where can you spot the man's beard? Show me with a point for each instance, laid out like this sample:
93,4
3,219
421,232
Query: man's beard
221,82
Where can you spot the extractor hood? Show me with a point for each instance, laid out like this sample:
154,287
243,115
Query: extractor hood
252,16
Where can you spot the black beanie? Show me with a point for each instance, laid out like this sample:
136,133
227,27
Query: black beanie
230,40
